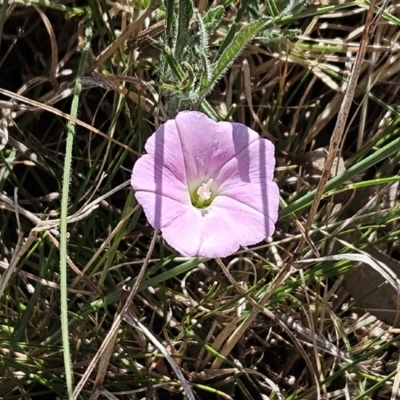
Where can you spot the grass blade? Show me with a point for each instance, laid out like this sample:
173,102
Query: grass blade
381,154
64,208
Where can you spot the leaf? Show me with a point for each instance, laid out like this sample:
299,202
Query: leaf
182,35
212,18
239,42
171,60
233,28
169,19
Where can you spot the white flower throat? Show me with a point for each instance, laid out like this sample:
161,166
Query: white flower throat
204,191
203,196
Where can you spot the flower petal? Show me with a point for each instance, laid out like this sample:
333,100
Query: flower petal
165,147
254,163
202,233
160,210
154,186
190,151
241,219
208,146
253,207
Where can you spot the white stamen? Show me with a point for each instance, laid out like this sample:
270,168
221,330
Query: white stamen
204,190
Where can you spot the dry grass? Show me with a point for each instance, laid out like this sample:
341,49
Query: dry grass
259,325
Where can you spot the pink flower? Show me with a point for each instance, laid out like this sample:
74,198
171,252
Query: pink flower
208,186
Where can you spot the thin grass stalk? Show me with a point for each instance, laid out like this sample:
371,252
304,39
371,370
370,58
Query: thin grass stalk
341,121
125,303
64,207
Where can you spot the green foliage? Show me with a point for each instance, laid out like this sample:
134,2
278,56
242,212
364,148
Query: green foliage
212,18
231,51
295,6
188,36
141,4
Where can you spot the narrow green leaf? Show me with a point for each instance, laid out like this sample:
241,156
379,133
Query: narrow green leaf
202,34
202,51
170,20
209,110
64,207
232,30
172,62
205,77
212,18
171,273
182,35
241,39
272,8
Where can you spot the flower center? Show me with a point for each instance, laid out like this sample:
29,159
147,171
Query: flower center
203,196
